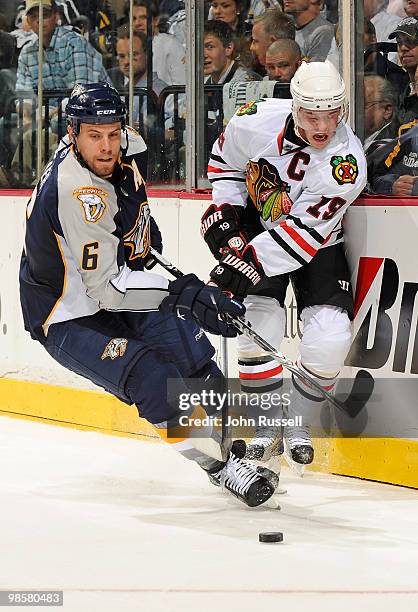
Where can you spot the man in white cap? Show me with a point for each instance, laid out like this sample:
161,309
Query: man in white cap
69,58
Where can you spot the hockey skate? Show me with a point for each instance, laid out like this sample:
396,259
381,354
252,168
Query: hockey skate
265,444
243,480
299,444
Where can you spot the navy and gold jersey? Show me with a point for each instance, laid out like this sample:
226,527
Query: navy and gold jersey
86,240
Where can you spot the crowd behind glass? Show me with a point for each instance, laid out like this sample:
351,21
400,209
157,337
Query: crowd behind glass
251,48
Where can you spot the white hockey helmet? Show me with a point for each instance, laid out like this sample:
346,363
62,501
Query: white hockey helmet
318,86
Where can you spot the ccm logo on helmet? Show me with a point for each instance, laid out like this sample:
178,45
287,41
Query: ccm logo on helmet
110,111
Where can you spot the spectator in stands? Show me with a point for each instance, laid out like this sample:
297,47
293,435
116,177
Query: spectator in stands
258,7
174,24
411,8
7,71
270,26
144,106
393,167
240,14
120,75
380,104
376,62
406,35
234,13
168,55
23,32
283,58
220,67
68,58
231,12
219,63
168,8
314,34
384,22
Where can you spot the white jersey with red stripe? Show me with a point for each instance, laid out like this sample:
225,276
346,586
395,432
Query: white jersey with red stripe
300,192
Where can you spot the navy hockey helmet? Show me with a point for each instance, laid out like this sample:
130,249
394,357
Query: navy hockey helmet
95,103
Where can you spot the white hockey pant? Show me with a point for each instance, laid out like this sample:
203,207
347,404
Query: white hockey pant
324,346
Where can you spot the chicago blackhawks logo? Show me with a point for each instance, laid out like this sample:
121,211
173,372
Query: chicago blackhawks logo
250,108
344,171
267,190
115,348
93,201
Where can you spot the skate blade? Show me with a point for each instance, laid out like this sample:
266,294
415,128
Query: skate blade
297,468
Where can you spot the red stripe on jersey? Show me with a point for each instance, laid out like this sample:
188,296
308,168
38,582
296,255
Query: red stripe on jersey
214,169
265,374
280,138
298,239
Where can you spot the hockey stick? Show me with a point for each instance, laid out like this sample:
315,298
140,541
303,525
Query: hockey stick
363,384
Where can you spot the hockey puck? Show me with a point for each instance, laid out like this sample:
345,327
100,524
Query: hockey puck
270,536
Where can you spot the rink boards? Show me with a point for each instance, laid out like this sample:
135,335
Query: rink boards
381,240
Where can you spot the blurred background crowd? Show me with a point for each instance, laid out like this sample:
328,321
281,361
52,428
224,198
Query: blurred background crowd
250,48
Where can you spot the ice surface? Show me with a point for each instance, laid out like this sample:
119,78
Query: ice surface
120,524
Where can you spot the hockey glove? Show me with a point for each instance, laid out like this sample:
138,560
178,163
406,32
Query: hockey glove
220,228
190,298
238,274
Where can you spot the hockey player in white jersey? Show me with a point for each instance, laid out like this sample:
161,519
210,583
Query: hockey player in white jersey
283,173
88,297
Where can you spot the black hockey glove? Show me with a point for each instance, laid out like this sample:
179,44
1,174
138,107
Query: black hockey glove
238,274
191,298
220,228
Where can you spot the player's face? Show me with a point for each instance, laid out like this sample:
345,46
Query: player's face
281,66
225,10
318,127
260,42
215,55
411,8
139,61
99,146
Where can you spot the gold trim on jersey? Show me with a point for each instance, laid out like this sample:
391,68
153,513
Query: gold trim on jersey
64,286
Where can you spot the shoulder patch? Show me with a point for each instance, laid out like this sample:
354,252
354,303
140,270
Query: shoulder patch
93,202
115,348
344,171
250,108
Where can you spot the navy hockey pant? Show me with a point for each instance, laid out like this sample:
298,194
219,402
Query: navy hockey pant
135,356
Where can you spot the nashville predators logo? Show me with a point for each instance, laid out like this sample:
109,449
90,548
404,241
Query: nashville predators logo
139,237
249,109
267,190
93,201
115,348
344,171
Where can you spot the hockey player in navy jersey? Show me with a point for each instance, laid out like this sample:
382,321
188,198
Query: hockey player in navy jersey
283,173
88,297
